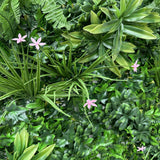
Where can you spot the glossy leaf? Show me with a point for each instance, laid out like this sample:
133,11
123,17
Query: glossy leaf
128,47
137,31
132,6
106,12
121,60
94,18
42,155
28,153
152,18
103,28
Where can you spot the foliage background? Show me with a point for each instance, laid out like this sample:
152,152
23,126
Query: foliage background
128,111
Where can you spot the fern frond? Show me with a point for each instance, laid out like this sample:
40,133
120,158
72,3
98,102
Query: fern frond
54,12
7,24
16,10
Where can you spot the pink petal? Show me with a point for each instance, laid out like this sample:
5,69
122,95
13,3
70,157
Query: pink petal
18,41
89,106
136,61
37,46
32,44
24,36
33,40
15,39
93,104
42,44
85,104
23,40
19,36
39,39
94,100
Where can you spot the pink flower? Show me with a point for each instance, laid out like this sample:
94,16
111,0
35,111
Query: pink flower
141,148
20,38
90,103
37,43
135,66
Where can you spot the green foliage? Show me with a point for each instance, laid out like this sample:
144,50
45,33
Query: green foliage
122,21
22,151
9,13
54,13
45,91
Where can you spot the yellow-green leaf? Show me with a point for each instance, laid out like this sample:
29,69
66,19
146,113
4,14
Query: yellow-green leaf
17,144
44,97
28,153
94,18
137,31
121,61
42,155
24,139
127,47
132,6
103,28
152,18
106,12
122,6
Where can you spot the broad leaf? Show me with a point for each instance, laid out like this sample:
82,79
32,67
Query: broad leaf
137,31
42,155
94,18
152,18
28,153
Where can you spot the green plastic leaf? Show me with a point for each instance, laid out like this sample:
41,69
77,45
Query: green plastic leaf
137,31
106,12
94,18
132,6
103,28
138,14
44,97
150,112
9,156
42,155
28,153
152,18
116,46
113,67
17,144
121,61
122,6
127,47
24,139
96,1
157,112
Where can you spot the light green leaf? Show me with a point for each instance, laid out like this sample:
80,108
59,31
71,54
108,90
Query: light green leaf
28,153
24,139
106,12
152,18
10,94
116,46
17,144
127,47
116,11
132,6
45,98
103,28
137,31
121,61
96,1
138,15
94,18
122,6
42,155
